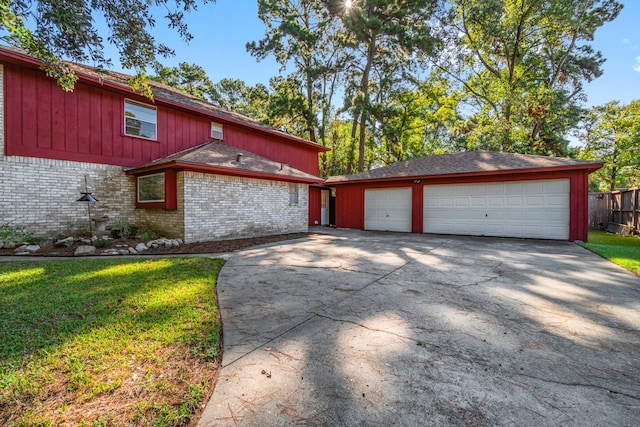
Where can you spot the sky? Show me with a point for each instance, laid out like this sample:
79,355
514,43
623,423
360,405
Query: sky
221,31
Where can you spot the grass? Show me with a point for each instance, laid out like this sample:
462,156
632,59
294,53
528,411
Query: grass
107,342
624,251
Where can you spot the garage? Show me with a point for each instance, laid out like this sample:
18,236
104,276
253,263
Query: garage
388,209
478,193
536,209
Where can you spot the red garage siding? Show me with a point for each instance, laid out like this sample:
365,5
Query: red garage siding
350,197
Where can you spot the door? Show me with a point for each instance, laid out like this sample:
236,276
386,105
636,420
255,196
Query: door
324,207
387,209
529,209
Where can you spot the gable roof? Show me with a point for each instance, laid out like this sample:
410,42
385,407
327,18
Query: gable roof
220,158
468,163
164,94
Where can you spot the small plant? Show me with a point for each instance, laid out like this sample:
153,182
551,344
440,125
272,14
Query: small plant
123,230
148,234
15,234
101,243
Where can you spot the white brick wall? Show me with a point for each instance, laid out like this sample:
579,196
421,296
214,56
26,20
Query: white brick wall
41,194
217,206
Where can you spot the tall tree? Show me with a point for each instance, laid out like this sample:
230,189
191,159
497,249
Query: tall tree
612,135
521,66
301,34
382,33
52,30
189,78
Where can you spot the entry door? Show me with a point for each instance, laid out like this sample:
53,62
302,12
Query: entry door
387,209
530,209
324,207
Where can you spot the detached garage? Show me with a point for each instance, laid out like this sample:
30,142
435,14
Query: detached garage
476,193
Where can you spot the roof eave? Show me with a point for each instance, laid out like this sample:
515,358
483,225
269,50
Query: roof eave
193,167
589,167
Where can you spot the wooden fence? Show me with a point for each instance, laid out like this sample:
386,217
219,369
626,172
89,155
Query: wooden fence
617,211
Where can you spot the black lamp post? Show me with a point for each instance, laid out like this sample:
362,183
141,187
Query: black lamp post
87,197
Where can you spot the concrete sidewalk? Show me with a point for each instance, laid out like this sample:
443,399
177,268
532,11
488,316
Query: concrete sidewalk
365,328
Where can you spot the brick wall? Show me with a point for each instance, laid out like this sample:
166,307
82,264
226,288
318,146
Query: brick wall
217,206
170,223
41,194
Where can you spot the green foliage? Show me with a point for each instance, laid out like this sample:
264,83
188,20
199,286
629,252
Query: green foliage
16,234
611,134
86,328
189,78
123,229
519,69
51,30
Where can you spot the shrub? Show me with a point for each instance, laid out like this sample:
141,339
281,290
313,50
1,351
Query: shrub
122,229
16,234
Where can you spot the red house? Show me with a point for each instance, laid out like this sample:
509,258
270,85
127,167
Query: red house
176,164
475,193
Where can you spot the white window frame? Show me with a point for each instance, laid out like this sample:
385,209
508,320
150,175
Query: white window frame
164,196
141,105
218,129
294,194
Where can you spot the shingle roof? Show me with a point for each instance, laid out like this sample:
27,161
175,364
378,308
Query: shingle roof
470,162
222,158
162,92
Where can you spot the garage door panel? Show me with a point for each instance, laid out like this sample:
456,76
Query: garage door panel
536,209
388,209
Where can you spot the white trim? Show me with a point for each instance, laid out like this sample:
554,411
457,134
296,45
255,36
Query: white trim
140,104
217,131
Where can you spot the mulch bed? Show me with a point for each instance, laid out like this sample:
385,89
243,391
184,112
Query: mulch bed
215,246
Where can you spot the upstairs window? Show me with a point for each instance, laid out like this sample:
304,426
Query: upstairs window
293,194
151,188
140,120
216,131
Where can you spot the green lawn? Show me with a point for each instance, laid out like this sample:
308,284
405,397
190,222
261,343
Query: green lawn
107,341
624,251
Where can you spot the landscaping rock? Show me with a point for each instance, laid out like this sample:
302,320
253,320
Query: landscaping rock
32,248
27,249
132,251
85,250
9,245
123,252
141,247
85,241
65,242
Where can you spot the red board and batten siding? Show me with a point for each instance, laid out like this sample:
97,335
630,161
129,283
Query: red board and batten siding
87,125
350,197
315,205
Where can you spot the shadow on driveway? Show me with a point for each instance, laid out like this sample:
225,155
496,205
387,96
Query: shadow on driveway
366,328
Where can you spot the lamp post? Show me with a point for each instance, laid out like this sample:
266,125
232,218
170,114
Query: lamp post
87,197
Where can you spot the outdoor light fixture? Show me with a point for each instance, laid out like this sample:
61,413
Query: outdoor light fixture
87,197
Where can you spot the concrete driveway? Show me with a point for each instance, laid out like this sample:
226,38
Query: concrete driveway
365,328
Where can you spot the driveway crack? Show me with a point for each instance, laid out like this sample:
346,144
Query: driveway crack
578,384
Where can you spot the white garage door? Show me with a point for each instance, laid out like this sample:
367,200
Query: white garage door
387,209
533,209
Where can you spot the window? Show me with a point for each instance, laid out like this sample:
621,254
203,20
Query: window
140,120
151,188
293,194
216,131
